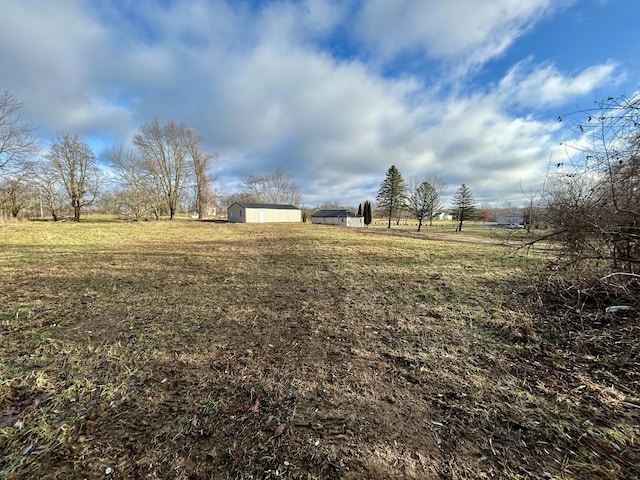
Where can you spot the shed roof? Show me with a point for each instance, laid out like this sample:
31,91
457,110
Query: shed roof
269,206
334,213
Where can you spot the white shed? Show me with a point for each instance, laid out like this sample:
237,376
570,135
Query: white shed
241,212
345,218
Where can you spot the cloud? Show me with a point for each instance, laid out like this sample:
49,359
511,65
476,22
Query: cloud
544,86
310,107
461,33
45,59
478,143
285,84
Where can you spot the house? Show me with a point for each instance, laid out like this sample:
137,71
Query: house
346,218
511,218
263,213
442,216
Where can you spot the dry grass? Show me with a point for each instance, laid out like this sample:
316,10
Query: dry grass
202,350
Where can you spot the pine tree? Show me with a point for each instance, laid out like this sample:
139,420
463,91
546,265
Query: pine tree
391,195
464,207
360,210
367,213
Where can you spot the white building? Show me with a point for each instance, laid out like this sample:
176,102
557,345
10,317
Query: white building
263,213
345,218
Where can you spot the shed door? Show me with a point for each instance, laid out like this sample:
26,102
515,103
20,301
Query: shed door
261,216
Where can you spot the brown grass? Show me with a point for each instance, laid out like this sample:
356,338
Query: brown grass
201,350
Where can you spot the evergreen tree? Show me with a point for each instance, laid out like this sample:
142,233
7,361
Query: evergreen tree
391,195
360,210
464,207
367,213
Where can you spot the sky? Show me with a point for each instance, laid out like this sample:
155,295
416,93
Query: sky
332,91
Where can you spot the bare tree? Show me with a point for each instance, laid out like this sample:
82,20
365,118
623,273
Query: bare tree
203,193
73,166
277,188
437,184
423,202
16,193
17,139
254,189
485,212
139,195
163,153
50,193
283,189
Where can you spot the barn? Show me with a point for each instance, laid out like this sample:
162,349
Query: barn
345,218
242,212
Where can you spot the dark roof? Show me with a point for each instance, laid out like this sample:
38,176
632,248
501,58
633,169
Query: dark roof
270,206
334,213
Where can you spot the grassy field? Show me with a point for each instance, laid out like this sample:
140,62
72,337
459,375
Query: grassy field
196,350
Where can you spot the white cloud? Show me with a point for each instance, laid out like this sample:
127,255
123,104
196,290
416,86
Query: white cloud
462,33
479,144
335,113
544,86
261,87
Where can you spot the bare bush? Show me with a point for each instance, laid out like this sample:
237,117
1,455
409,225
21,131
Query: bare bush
593,198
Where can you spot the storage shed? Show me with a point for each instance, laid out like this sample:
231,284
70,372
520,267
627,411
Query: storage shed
241,212
345,218
511,218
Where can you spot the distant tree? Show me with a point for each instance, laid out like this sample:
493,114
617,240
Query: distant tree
231,198
366,213
463,204
391,196
423,202
438,185
277,188
17,139
74,167
403,213
50,193
485,212
201,165
139,195
16,194
332,205
163,152
167,167
360,210
532,208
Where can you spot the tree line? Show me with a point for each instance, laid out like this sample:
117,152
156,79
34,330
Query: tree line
166,169
167,165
